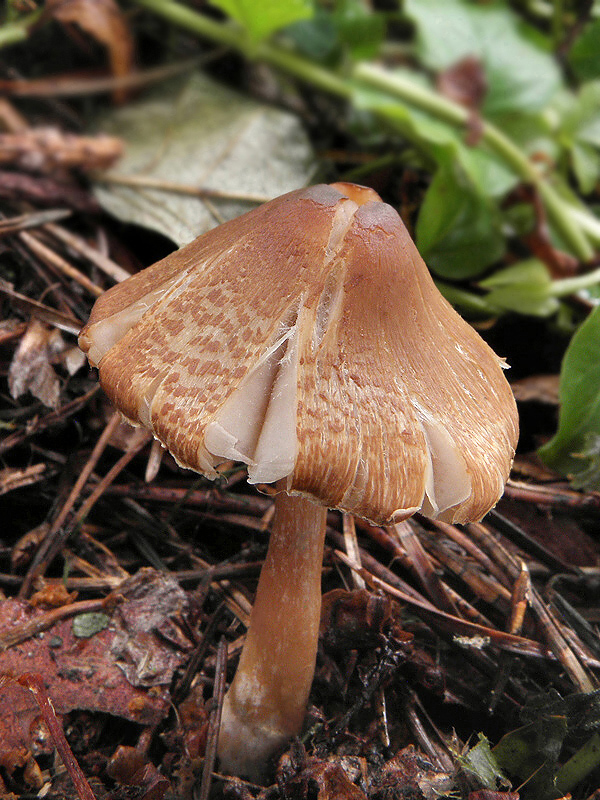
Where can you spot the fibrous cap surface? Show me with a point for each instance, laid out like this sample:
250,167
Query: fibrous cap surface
307,339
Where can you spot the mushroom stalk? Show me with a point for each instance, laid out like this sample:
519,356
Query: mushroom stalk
266,702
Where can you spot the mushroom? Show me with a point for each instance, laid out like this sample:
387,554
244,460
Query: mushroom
307,339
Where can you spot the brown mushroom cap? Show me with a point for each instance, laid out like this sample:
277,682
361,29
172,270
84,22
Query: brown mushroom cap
308,340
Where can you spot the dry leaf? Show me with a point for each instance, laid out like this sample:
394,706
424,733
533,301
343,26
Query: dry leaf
464,82
131,767
197,133
143,626
82,661
530,466
73,359
325,780
417,776
193,719
104,21
30,368
21,730
541,388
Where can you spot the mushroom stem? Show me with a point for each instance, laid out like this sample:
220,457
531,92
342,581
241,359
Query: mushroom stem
266,702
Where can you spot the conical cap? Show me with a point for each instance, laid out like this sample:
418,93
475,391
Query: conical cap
307,339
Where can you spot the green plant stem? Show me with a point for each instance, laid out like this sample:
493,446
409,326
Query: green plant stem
189,19
586,759
475,303
429,101
420,96
397,86
567,286
587,221
18,31
231,36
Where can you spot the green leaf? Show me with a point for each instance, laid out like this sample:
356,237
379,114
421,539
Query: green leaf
579,766
585,161
581,712
491,177
458,231
361,30
524,287
580,114
316,38
426,126
580,132
530,754
521,74
583,57
587,118
529,301
442,142
446,31
533,133
580,709
350,28
579,393
260,19
589,477
480,762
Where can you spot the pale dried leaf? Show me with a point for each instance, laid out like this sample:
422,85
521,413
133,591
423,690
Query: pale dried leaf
148,642
197,133
30,368
73,360
540,388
